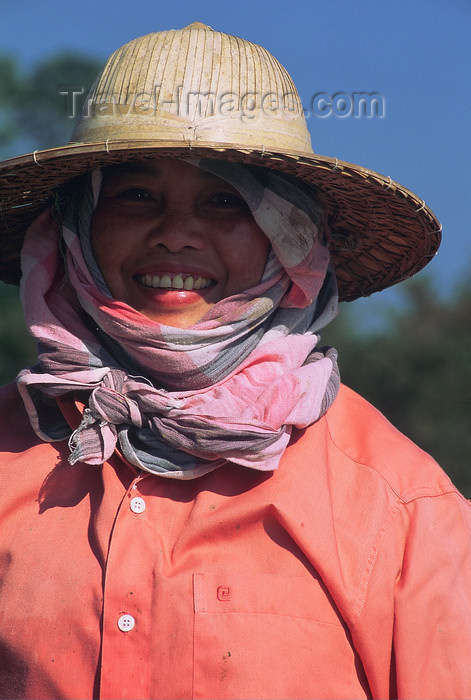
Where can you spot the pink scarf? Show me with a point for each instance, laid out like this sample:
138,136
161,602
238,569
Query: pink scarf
181,402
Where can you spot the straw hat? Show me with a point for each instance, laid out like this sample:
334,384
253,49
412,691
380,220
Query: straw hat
201,93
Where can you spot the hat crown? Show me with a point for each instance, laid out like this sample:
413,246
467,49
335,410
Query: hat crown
195,84
197,25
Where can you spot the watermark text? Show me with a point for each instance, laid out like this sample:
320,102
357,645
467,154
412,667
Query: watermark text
247,106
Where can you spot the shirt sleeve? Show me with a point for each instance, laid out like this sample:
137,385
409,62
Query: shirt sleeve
431,654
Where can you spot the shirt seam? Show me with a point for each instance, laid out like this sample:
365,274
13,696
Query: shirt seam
398,508
401,501
406,496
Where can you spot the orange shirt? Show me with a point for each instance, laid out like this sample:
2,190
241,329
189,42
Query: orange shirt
344,574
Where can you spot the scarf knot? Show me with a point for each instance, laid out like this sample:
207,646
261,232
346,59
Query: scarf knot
111,403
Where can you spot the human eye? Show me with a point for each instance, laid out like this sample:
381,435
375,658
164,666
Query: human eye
227,200
134,194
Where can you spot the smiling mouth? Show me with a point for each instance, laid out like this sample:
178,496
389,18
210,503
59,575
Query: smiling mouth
170,281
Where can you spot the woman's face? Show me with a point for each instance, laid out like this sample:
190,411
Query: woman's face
172,240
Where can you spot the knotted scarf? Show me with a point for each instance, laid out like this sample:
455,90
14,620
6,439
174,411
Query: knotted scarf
181,402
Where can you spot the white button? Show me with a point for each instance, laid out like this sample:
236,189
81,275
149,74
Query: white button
137,504
126,623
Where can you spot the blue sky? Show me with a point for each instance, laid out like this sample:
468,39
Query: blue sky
414,53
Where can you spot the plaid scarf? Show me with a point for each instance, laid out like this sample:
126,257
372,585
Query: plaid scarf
181,402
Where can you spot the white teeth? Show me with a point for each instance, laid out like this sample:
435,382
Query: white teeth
176,282
165,281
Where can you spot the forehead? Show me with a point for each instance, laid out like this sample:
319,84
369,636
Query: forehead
159,169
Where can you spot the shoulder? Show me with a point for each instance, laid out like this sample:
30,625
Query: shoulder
363,490
376,452
27,457
16,432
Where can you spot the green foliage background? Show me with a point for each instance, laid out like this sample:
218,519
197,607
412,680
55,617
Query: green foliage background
413,363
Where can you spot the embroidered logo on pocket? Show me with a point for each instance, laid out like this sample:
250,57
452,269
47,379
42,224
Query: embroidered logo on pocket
223,593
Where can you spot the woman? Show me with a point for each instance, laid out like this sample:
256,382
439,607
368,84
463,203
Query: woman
192,506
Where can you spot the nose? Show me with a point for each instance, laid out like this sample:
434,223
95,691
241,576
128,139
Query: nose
177,229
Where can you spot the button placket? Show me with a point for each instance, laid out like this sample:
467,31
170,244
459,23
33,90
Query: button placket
128,599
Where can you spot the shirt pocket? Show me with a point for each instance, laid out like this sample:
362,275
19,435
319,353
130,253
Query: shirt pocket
270,636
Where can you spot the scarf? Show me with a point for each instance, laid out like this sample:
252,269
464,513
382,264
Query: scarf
180,402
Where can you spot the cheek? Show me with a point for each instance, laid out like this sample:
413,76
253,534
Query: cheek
109,238
248,257
108,249
99,237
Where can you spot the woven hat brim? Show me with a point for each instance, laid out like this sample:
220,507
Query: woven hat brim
382,233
